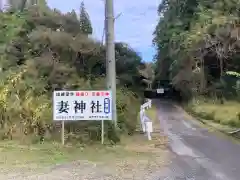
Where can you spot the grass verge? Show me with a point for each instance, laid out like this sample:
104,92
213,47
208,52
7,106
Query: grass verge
132,149
158,137
223,117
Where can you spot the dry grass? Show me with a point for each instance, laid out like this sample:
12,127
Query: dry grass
16,155
134,156
159,139
225,114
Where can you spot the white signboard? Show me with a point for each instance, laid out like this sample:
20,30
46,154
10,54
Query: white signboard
160,91
82,105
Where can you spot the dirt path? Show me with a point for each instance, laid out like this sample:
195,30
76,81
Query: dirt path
139,169
84,170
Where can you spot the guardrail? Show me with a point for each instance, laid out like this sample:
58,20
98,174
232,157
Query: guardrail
146,123
147,104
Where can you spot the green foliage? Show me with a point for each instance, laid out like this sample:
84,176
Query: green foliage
43,50
16,5
211,110
85,23
233,73
197,36
20,5
231,83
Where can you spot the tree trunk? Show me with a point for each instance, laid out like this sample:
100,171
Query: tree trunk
221,66
202,81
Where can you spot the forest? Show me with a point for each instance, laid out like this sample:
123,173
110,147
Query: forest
198,50
42,50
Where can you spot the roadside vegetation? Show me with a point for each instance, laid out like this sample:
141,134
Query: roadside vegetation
159,139
198,51
227,114
23,154
133,157
42,50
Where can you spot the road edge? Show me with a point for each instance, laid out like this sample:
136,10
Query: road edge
190,116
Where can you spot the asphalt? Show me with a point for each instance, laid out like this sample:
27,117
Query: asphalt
197,153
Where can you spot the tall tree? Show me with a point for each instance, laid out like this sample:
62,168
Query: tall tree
73,14
1,5
41,3
36,59
197,34
16,5
85,23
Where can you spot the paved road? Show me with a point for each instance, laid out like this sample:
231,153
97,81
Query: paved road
197,153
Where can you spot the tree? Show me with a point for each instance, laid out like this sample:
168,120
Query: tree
17,5
73,14
1,6
85,23
41,53
197,35
42,3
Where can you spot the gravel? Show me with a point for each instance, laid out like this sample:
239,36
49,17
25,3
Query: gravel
85,170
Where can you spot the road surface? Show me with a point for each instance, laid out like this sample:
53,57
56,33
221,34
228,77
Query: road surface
197,154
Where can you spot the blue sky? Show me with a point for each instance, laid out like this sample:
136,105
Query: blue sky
135,26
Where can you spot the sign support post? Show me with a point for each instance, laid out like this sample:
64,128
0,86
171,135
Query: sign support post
102,134
82,105
63,138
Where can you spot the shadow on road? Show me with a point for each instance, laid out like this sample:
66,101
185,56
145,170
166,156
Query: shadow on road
197,153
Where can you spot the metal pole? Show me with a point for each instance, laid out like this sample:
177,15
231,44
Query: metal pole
110,55
102,135
62,137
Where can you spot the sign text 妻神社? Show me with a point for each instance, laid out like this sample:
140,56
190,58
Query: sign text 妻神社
82,105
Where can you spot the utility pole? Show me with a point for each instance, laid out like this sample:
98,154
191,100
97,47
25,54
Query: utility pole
110,55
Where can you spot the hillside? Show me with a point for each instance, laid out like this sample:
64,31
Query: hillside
43,50
198,49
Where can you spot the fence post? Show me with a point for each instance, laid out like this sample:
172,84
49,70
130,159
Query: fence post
145,121
149,129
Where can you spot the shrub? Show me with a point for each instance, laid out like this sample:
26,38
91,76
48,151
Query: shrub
43,50
33,114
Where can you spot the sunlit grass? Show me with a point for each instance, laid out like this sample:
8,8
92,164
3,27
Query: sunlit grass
225,114
38,156
159,139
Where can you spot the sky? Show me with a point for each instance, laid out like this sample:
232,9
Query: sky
134,26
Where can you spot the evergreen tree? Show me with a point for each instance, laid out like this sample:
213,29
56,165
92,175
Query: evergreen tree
16,5
200,35
85,23
37,59
41,3
33,2
73,14
21,4
0,4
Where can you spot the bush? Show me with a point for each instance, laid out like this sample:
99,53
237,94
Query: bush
33,114
42,51
226,114
207,116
